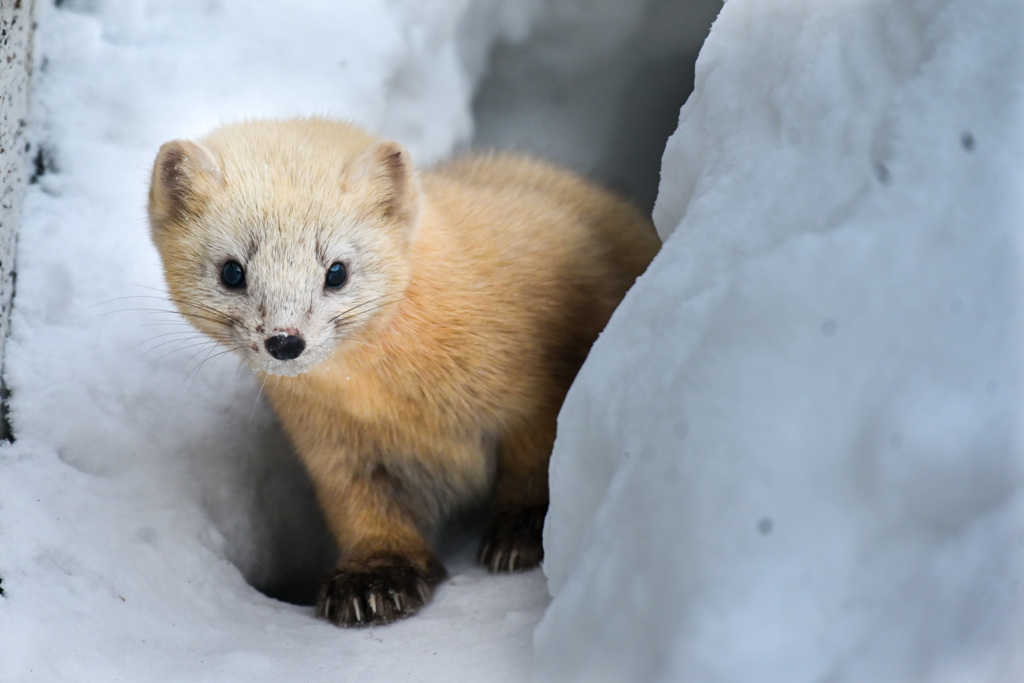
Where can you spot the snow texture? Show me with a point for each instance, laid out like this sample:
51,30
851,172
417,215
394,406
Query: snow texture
795,453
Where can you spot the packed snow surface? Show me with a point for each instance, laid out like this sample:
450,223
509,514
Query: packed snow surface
795,453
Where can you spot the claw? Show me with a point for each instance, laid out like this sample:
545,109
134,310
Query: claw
514,541
499,561
323,609
362,593
355,608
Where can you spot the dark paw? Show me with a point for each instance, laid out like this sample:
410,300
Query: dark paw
377,590
513,541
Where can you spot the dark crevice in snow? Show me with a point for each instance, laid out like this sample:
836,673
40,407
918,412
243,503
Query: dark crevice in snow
43,162
285,547
6,429
598,92
614,132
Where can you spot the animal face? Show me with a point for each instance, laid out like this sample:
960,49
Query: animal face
285,259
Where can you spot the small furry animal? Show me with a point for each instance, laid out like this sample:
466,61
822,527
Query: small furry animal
417,331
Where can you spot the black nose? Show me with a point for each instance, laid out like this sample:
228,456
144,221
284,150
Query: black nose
285,347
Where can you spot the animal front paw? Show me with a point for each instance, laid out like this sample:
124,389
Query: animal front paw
514,540
377,590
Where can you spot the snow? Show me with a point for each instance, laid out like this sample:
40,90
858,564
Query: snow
795,453
793,456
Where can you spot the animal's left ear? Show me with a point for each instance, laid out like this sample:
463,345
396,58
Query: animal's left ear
384,175
185,175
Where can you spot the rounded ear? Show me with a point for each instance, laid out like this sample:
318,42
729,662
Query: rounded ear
184,175
383,176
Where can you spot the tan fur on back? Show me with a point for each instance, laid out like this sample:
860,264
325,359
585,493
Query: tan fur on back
475,291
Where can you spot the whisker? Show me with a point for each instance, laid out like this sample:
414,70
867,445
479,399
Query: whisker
219,315
152,289
181,336
226,322
241,364
212,316
258,395
350,312
210,356
358,317
194,355
169,311
175,321
209,310
183,345
129,297
200,344
186,334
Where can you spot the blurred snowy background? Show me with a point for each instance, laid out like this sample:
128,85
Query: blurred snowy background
793,456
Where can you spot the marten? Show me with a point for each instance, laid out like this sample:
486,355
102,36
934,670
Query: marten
417,331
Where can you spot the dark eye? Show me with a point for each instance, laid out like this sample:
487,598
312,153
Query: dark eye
233,275
337,274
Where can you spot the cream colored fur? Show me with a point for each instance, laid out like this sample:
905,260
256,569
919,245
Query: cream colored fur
433,378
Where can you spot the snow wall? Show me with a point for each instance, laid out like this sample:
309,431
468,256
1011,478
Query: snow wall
794,455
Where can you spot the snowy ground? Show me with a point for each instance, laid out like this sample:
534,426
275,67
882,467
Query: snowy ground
794,456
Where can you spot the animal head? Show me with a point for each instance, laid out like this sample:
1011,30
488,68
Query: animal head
284,240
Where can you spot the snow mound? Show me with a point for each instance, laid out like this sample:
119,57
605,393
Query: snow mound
795,453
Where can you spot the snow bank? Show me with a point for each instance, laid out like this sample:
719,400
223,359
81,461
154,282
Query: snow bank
795,453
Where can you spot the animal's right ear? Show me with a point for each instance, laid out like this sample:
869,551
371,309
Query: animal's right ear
184,176
385,174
